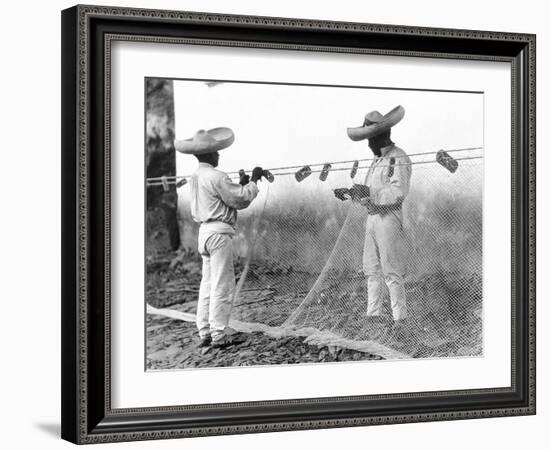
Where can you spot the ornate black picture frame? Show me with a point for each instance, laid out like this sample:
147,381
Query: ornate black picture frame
87,35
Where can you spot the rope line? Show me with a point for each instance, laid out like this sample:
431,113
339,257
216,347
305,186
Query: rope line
337,169
172,178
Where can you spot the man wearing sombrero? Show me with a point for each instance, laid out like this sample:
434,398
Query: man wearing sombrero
215,200
387,182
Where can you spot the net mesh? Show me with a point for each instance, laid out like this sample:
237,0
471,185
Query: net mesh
301,251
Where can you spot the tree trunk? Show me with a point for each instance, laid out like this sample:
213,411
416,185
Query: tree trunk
162,222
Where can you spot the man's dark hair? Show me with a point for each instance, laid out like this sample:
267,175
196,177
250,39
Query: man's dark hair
209,158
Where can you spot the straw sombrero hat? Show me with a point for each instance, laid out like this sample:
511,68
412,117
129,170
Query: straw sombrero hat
375,123
206,141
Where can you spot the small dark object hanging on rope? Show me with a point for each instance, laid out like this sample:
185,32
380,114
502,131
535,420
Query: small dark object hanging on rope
302,174
354,169
324,172
268,176
447,161
181,182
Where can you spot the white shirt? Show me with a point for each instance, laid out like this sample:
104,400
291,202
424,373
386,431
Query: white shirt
389,176
215,199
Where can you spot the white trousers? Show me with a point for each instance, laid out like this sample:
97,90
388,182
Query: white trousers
217,284
384,262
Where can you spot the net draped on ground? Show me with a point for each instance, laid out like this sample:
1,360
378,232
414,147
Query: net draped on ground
304,250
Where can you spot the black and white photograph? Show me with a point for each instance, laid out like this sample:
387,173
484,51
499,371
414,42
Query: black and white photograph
275,225
311,224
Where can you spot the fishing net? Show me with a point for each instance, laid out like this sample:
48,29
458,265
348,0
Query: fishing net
300,253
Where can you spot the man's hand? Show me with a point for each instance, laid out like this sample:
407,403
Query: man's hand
342,194
359,192
244,179
257,173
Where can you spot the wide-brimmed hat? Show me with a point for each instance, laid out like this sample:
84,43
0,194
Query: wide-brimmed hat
206,141
375,123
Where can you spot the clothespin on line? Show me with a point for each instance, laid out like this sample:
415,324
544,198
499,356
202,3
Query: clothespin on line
181,182
164,182
269,176
324,172
354,169
302,174
447,161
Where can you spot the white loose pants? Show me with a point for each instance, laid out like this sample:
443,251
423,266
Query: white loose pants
217,284
384,261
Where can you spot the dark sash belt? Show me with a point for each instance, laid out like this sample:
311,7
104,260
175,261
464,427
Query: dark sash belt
383,209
